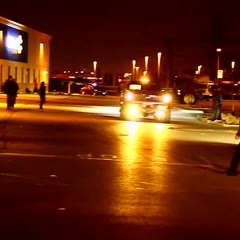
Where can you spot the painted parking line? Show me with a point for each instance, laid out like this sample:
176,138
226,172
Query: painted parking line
28,155
111,158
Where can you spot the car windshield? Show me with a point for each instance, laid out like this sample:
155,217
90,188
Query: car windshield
150,88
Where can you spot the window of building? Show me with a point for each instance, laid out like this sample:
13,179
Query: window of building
28,75
34,78
16,70
22,80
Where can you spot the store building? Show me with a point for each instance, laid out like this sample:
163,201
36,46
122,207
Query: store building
24,54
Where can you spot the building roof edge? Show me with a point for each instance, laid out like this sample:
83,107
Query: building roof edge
19,26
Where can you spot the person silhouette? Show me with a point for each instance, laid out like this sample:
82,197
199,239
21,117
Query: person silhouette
42,94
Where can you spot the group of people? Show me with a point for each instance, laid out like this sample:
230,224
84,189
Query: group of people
11,89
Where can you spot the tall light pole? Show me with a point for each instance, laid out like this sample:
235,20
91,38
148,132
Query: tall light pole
159,63
233,66
133,69
137,68
199,69
233,104
218,60
146,63
95,68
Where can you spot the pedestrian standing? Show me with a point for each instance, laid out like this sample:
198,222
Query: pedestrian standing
219,117
10,88
42,93
217,103
232,170
15,91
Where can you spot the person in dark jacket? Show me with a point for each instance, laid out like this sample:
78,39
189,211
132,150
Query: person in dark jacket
232,170
15,91
217,103
42,93
11,89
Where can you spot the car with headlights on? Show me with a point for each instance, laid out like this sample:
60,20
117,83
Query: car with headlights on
145,100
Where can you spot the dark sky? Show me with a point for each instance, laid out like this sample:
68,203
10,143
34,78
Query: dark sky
115,32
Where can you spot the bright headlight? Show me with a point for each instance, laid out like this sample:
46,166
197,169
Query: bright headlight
129,96
166,98
133,111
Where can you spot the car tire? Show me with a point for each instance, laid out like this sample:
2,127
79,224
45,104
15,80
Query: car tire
123,115
189,98
166,119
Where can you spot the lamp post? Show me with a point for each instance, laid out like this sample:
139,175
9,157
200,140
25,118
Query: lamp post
133,69
146,63
159,62
233,104
137,68
95,68
233,66
199,69
218,60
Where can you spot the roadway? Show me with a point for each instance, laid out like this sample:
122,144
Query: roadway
67,172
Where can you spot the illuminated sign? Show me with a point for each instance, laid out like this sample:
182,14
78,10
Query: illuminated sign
14,44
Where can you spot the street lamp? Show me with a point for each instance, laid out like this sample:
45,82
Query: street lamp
199,69
146,63
233,104
159,62
95,68
133,68
218,60
137,68
233,65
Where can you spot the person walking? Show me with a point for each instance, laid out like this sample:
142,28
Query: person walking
232,170
10,88
42,93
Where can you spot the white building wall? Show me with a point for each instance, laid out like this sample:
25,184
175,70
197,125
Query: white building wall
36,69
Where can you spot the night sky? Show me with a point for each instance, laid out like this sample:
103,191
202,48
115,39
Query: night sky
115,32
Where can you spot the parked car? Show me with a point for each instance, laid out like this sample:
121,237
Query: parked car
90,90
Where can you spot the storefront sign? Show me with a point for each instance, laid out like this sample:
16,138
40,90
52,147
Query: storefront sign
14,44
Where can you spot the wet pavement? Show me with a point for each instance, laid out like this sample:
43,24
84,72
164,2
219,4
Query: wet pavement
67,174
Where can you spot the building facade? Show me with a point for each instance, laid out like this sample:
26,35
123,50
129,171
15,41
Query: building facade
24,54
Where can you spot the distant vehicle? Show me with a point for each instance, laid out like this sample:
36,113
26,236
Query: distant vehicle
69,86
144,100
90,90
190,90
